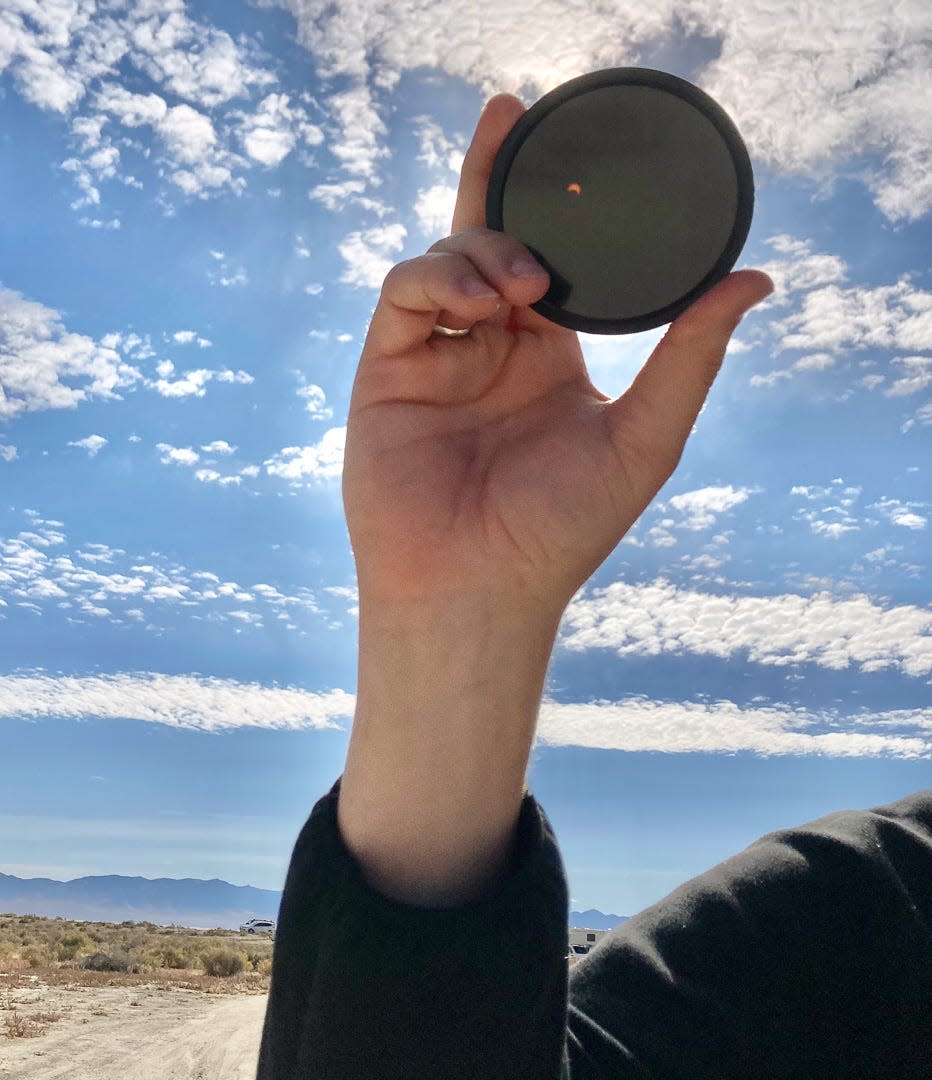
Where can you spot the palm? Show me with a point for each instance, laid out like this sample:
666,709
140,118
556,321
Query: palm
501,472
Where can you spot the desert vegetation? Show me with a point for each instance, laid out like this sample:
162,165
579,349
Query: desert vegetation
61,952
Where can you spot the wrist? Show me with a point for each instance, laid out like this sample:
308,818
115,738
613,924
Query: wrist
447,704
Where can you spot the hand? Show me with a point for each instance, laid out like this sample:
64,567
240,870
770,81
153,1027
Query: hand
490,464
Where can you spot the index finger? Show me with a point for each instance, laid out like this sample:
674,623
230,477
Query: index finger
499,116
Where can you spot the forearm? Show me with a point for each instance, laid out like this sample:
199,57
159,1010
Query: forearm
447,704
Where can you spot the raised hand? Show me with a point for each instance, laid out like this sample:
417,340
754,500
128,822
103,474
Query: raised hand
490,462
485,478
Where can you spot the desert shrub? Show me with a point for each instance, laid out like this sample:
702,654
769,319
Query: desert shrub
70,945
100,961
264,967
223,962
37,956
170,956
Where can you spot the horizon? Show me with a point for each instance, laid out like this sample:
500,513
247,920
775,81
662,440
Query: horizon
188,264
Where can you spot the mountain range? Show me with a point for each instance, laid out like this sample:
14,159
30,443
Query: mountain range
166,901
112,898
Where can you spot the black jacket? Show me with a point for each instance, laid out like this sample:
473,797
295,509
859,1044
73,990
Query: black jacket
806,956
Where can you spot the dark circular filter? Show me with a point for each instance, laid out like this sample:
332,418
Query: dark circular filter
633,188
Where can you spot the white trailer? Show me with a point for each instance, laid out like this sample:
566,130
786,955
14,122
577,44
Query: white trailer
580,940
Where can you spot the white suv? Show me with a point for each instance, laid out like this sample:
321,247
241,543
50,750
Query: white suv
258,926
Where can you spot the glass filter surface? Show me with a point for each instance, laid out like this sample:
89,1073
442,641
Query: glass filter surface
635,191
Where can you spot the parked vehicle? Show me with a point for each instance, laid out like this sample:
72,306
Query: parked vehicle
580,940
258,926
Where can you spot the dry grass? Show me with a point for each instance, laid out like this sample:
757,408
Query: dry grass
71,955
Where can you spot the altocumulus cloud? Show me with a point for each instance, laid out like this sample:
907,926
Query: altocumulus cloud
785,629
180,701
212,705
638,724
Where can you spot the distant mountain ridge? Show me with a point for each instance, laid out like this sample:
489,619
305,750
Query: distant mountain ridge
593,919
164,901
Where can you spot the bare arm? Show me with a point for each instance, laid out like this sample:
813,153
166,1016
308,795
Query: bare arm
485,480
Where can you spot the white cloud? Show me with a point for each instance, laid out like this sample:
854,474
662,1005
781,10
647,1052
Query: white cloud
316,402
177,455
367,254
837,319
434,210
437,151
191,702
193,60
699,508
899,513
648,620
322,461
8,452
219,446
45,366
639,725
272,131
193,383
917,376
820,90
199,703
337,195
93,444
188,337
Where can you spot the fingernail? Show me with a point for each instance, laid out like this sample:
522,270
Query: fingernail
526,267
475,286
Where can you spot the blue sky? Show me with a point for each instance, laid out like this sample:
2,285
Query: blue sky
200,203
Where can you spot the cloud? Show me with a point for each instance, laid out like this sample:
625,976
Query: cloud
187,337
829,321
272,131
816,91
45,366
219,446
721,727
367,254
316,402
93,444
898,513
918,374
191,59
193,383
322,461
198,703
434,208
837,319
699,508
64,53
191,702
8,453
177,455
648,620
37,569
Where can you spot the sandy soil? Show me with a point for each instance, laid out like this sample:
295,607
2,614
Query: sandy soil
133,1033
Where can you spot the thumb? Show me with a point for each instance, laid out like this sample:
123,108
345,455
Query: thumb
658,410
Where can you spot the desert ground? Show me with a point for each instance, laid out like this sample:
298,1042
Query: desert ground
129,1001
143,1032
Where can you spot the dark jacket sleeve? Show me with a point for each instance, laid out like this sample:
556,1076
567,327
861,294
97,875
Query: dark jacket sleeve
806,956
365,987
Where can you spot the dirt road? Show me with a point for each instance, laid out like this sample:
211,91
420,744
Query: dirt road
133,1033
